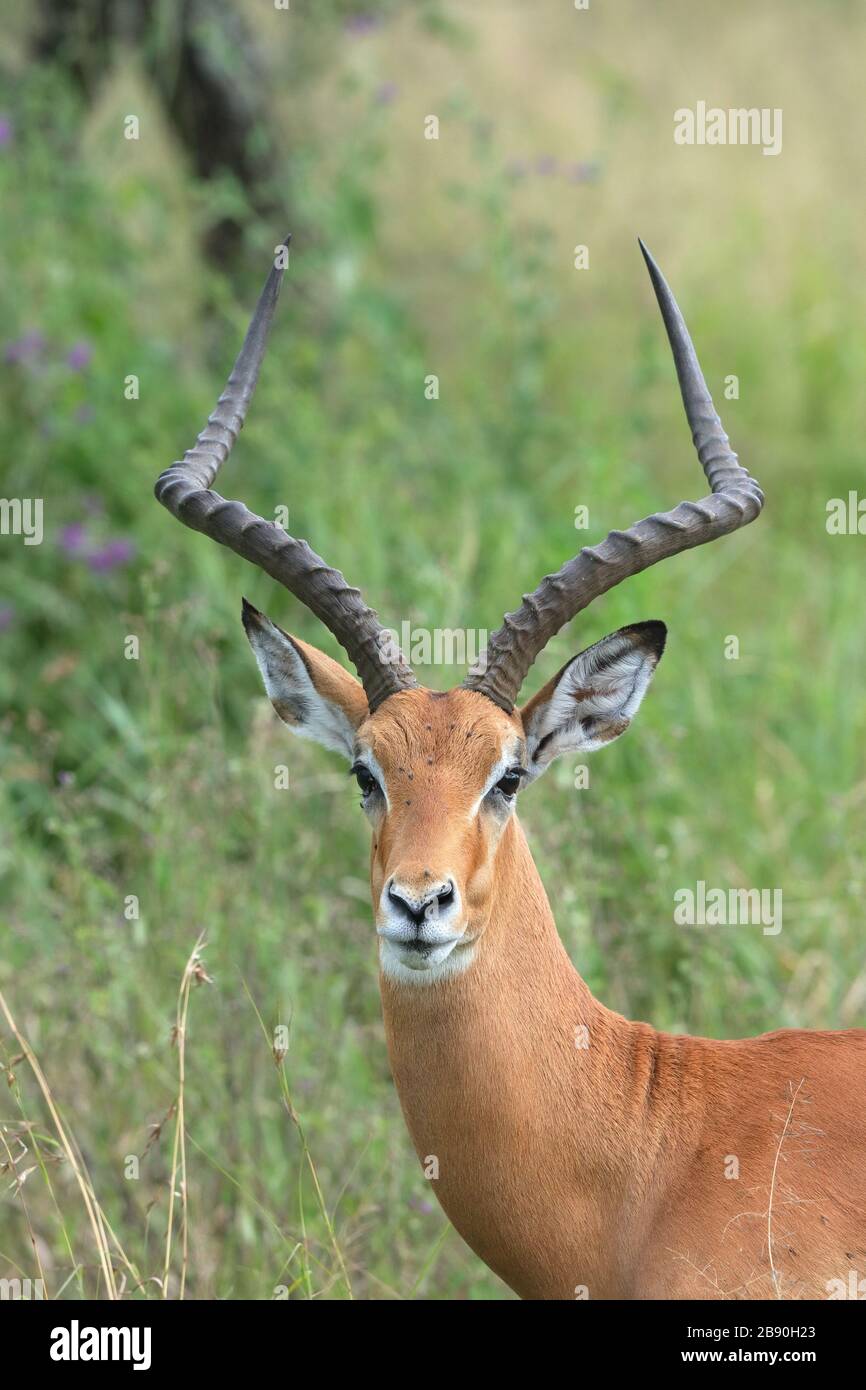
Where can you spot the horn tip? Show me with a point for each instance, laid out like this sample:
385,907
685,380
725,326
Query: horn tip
648,258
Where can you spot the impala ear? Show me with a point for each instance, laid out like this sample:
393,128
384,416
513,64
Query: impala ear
310,692
595,696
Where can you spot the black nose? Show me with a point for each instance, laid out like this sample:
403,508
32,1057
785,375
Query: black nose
416,909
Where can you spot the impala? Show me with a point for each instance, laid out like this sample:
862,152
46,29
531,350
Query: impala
578,1153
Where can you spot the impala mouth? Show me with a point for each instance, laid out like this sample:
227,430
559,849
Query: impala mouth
421,947
425,957
415,950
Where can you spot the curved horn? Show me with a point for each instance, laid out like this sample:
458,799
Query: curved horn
185,489
735,500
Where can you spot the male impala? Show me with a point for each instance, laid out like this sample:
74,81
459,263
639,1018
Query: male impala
579,1154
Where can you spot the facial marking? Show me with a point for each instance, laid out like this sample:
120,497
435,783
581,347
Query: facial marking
512,756
436,757
429,970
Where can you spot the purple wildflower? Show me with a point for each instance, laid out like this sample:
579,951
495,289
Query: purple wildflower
545,164
386,93
420,1204
111,556
65,779
79,356
23,349
6,131
7,616
73,538
585,172
360,24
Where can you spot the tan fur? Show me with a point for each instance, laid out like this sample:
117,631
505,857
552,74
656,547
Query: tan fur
595,1170
332,681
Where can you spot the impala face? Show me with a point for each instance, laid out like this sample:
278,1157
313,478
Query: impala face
439,776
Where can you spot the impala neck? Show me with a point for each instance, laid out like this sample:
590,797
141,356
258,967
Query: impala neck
514,1078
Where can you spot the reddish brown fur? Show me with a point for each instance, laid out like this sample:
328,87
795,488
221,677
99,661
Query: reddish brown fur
598,1168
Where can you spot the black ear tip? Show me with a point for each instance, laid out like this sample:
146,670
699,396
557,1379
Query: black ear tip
250,616
658,635
652,634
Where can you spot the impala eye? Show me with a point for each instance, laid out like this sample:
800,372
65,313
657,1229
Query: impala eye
365,779
510,783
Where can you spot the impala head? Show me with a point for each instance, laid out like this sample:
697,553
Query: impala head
439,773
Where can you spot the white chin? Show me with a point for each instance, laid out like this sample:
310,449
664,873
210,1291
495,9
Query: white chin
423,968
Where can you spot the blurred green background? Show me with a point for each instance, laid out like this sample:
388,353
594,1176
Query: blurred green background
155,777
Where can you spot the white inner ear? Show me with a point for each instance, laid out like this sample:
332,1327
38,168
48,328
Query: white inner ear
597,696
292,693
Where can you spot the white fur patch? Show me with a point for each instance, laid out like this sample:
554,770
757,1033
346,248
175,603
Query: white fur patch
292,693
594,701
393,963
510,758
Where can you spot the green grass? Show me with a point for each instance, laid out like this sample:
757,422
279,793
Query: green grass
154,778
